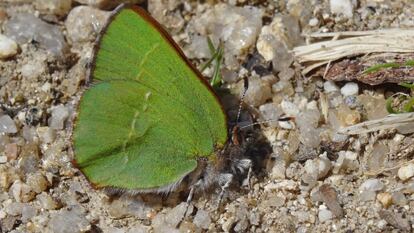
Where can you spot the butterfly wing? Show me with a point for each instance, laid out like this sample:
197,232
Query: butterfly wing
150,115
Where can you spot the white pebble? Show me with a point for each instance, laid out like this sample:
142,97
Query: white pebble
341,7
7,125
8,47
406,172
289,108
372,185
325,215
3,159
350,89
330,86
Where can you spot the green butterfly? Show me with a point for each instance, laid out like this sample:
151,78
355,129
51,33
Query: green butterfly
150,122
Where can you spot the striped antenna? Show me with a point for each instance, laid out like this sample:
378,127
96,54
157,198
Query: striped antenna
246,86
268,121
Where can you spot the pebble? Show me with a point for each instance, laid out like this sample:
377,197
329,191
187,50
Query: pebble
3,159
8,47
7,125
289,108
84,23
330,86
176,215
341,7
11,151
238,27
396,220
278,170
313,22
385,199
71,220
406,172
37,182
271,113
33,69
202,219
25,27
372,185
55,7
21,191
47,202
347,161
46,134
349,89
318,167
324,215
59,116
127,207
258,93
28,212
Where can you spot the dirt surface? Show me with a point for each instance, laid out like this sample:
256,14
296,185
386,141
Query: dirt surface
309,178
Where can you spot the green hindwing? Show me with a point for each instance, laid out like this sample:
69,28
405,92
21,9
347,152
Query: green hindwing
149,115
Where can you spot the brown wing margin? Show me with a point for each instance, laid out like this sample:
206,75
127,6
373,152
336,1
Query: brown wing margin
147,17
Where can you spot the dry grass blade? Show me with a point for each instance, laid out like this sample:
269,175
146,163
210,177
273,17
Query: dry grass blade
355,43
389,122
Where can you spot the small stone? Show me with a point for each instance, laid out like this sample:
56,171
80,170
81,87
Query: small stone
378,157
28,212
399,198
350,89
21,192
385,199
202,219
396,220
278,170
374,105
347,161
46,134
159,224
367,195
176,215
237,27
60,114
8,47
127,207
65,221
330,86
84,23
289,185
313,22
56,7
14,208
107,4
47,202
318,167
406,172
258,92
7,125
283,88
37,182
229,224
348,116
11,151
325,215
341,7
25,27
3,159
372,185
289,108
271,113
33,69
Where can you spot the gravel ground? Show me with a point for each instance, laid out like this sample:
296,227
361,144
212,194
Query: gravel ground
311,179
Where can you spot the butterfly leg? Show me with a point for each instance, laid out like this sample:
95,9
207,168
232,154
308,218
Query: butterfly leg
192,190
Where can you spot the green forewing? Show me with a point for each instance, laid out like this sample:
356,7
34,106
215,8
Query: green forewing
149,116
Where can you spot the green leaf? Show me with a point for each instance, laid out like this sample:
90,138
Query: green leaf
388,105
150,115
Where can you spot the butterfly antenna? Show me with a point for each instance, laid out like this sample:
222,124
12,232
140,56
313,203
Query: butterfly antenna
246,86
268,121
